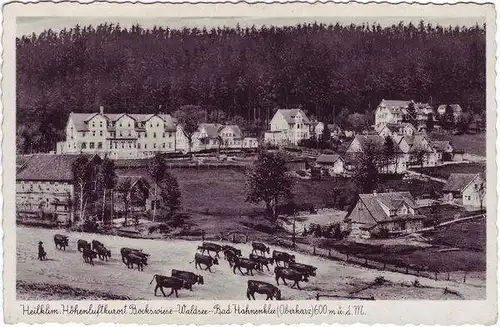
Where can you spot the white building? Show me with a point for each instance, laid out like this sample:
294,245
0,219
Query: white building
467,189
394,111
288,126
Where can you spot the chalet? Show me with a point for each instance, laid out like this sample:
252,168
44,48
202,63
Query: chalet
232,137
333,162
316,129
410,147
288,126
390,129
391,111
208,136
250,143
377,213
45,185
466,189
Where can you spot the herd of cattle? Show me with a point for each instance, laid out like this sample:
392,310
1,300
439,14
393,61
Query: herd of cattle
286,266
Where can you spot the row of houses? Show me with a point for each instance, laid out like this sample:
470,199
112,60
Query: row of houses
398,212
142,135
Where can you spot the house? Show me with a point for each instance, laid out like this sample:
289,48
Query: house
119,135
411,147
335,131
390,129
391,111
457,110
373,143
384,213
333,162
443,149
288,127
466,189
250,143
45,185
422,111
232,137
316,129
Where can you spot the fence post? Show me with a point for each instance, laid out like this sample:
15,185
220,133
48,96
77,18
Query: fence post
448,276
234,240
329,253
347,257
314,250
435,275
465,275
366,261
406,269
203,236
384,264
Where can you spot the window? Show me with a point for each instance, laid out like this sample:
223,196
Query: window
84,145
120,133
91,145
145,146
129,133
123,145
150,125
157,124
100,124
138,145
468,197
120,124
163,145
93,133
154,145
83,134
99,145
100,133
154,135
169,145
163,135
145,134
128,124
93,124
169,134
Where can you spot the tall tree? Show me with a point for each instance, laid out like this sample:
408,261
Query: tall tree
429,123
389,151
367,167
82,175
170,194
124,188
157,169
190,117
359,122
107,179
268,182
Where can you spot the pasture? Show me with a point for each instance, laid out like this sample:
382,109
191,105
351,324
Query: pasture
458,168
469,143
65,273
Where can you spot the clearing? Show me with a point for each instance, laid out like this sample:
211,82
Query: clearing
65,273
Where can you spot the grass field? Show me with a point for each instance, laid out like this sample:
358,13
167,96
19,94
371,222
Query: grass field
469,143
65,276
460,168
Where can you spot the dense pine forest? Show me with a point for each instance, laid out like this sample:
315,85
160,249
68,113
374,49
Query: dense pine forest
328,70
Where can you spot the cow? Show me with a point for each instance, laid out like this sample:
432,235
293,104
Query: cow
248,264
291,274
173,283
88,255
82,245
284,257
96,244
261,247
188,277
134,258
213,247
207,260
233,249
61,241
256,286
262,260
310,270
230,256
125,251
102,252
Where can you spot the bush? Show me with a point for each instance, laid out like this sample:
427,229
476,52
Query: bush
381,233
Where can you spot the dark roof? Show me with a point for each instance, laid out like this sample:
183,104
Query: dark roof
370,140
458,182
80,120
392,200
394,127
49,167
289,115
328,158
211,129
237,131
22,159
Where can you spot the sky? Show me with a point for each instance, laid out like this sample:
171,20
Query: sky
29,25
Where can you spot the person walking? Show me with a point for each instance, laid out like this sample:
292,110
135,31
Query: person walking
41,251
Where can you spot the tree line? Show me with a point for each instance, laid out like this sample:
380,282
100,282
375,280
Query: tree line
241,74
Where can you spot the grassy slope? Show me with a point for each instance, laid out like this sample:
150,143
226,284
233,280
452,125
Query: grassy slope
469,143
445,171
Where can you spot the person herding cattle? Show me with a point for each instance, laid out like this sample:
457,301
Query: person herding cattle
42,255
256,286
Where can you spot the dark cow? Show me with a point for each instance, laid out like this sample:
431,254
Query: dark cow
133,258
284,257
255,286
96,244
207,260
230,256
233,249
262,260
310,270
61,241
248,264
82,245
188,277
88,255
261,247
173,283
290,274
210,247
102,252
125,251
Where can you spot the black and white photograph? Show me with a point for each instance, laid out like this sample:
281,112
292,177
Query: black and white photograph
251,158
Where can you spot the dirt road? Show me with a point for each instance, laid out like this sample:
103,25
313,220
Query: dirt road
66,268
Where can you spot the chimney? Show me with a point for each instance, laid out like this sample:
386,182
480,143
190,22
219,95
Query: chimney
101,109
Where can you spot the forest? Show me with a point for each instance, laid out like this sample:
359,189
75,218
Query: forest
330,71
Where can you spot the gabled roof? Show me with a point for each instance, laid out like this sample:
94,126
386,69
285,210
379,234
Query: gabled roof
289,115
392,200
328,158
49,167
456,107
458,182
394,104
80,119
236,130
212,130
395,127
369,140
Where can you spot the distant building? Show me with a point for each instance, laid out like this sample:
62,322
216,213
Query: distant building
333,162
288,126
443,149
395,111
250,143
393,130
467,189
457,110
231,136
45,185
378,212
